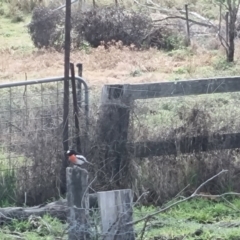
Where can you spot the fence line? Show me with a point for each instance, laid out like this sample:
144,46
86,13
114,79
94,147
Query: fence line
118,101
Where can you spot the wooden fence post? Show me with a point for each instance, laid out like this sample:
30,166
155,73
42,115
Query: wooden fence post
79,85
187,26
113,124
78,203
116,211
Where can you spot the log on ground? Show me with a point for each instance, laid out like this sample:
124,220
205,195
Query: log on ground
58,209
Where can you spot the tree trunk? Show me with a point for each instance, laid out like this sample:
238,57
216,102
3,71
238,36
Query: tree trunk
231,49
233,10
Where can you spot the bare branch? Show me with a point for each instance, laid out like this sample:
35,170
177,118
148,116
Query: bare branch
229,204
220,18
210,179
184,200
143,229
218,196
183,18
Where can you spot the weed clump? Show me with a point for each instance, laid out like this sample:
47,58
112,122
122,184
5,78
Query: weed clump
109,23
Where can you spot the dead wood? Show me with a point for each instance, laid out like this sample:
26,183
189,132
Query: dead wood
57,209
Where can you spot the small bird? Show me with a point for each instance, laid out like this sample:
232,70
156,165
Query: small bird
76,159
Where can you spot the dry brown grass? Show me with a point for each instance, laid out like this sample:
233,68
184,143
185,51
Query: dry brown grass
114,65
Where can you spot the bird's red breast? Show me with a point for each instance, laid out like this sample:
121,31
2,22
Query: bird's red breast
72,158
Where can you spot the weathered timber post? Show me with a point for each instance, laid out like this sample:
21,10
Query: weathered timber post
65,130
116,211
187,27
113,126
78,203
79,85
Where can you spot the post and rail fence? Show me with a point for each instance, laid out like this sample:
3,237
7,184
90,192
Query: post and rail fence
117,102
32,111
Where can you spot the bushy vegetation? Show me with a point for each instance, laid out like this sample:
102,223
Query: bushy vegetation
101,26
46,28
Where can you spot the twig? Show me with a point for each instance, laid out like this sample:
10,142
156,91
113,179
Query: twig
210,179
143,194
178,195
183,200
230,205
89,185
143,229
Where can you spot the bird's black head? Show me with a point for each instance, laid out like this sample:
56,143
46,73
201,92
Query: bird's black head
71,152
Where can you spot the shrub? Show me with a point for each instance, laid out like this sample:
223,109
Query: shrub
163,38
7,187
7,180
102,25
46,27
106,24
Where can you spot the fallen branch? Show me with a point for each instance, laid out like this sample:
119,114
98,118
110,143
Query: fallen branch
58,209
175,12
183,18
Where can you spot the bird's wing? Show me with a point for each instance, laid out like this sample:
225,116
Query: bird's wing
79,162
82,158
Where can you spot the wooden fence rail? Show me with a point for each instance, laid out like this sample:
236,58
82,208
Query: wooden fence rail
185,145
117,100
170,89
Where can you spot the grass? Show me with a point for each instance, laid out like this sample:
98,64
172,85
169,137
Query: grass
196,219
172,113
18,58
46,228
14,35
8,178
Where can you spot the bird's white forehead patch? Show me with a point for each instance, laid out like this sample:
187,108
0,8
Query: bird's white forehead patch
68,151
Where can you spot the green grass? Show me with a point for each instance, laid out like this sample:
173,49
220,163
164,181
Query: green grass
196,219
8,169
46,228
14,35
155,115
209,219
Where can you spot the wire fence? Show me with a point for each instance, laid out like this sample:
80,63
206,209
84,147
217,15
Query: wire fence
31,152
167,121
168,117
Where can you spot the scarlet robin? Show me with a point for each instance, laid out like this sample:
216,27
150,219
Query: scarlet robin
75,158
